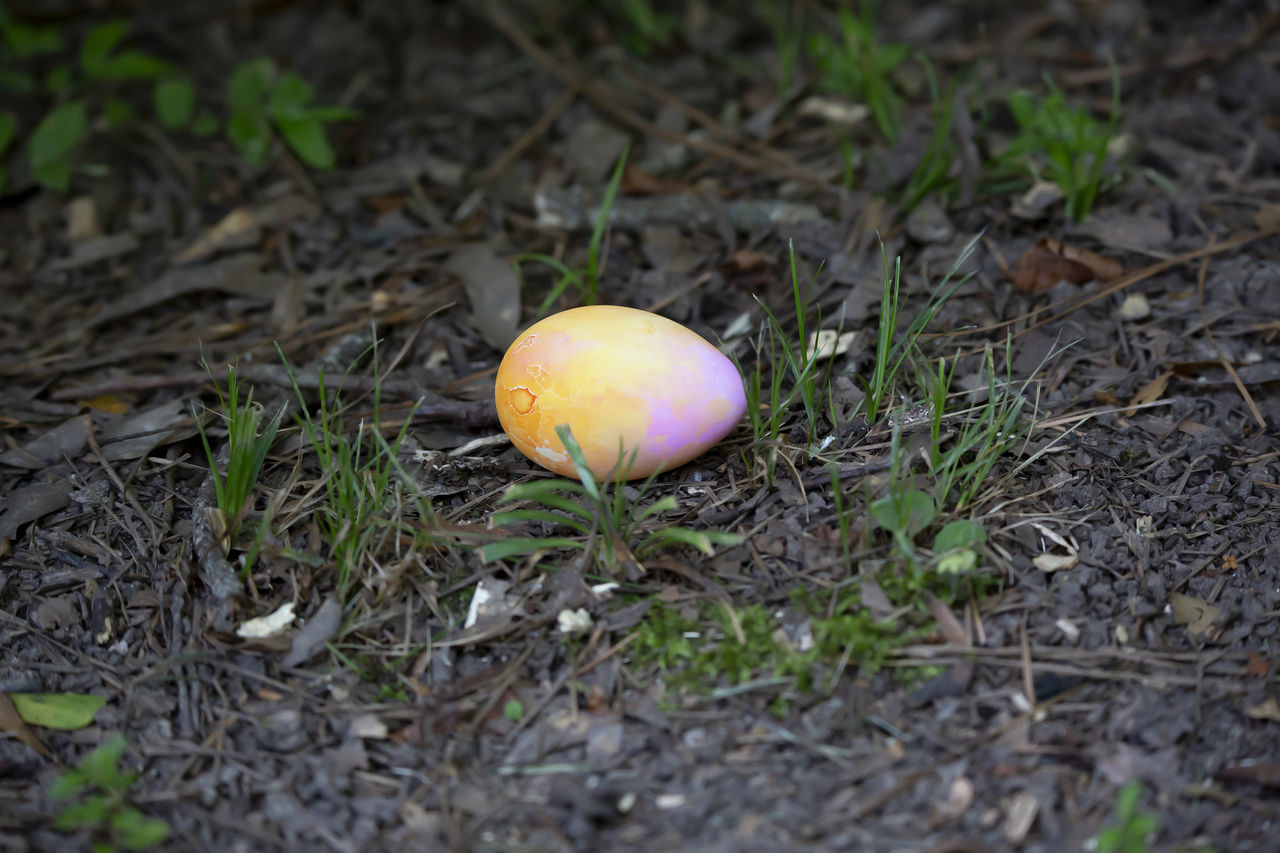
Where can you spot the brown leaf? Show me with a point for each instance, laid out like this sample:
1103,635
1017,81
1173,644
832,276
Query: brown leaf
1051,261
11,721
1149,393
1267,709
1196,613
1253,770
1257,667
948,624
746,260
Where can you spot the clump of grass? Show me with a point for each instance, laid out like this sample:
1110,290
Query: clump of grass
1061,143
989,432
790,363
932,173
717,648
356,475
249,439
610,526
585,280
858,65
892,349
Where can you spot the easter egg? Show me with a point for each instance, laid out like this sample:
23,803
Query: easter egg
619,377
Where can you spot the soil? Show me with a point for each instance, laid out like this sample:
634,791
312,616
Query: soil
1120,622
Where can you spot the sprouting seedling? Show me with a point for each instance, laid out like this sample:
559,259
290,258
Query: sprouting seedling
102,790
247,448
891,349
607,523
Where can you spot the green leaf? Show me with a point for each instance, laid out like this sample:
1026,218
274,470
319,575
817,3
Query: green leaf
100,764
579,461
251,135
249,84
68,784
957,561
703,540
90,813
144,833
57,134
174,99
308,140
516,547
117,112
55,176
206,124
8,129
98,44
32,41
64,711
961,533
290,97
501,518
135,65
58,81
513,710
540,490
328,114
18,82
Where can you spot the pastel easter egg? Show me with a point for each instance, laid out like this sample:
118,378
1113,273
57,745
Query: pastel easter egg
618,377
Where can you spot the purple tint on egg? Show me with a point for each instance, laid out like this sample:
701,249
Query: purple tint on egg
683,416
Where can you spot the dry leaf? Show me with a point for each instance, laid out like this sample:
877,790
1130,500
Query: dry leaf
1048,562
11,721
493,289
313,636
826,343
269,625
746,260
243,226
1268,709
1021,814
948,624
1050,261
1257,667
1149,393
1135,307
1196,613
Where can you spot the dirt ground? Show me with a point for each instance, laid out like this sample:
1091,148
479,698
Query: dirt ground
1119,622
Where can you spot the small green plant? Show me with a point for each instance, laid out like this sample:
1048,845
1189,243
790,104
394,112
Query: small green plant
1132,830
88,91
81,91
587,279
905,510
788,362
356,473
644,29
933,171
102,808
264,102
248,442
956,545
611,526
1060,143
788,35
714,645
987,433
856,64
893,350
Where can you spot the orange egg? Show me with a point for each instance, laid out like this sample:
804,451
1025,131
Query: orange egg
618,377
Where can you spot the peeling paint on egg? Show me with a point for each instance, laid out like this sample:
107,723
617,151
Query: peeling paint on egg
616,375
